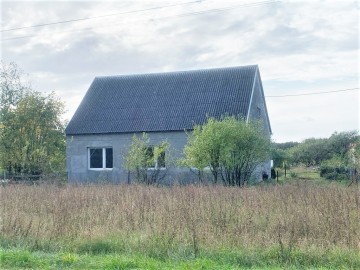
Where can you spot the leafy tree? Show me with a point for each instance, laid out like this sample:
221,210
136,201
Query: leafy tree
230,148
339,143
279,156
32,138
147,161
31,131
334,168
311,152
12,87
285,145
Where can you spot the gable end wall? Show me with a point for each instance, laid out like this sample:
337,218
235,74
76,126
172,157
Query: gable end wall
258,102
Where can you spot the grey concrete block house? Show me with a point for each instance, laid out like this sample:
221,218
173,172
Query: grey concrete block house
164,105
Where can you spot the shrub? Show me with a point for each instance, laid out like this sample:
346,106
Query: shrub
334,169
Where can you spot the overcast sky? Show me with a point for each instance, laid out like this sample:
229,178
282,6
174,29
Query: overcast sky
300,46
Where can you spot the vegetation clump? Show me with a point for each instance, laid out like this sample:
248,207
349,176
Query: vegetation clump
230,148
32,141
335,158
299,224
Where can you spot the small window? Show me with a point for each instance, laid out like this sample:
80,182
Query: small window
258,112
161,160
100,158
109,158
150,158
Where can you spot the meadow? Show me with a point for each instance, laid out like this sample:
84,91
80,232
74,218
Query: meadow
300,224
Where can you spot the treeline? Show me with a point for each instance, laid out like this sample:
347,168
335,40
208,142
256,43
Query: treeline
336,157
32,141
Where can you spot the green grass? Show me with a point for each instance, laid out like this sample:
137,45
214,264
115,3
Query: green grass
226,259
300,173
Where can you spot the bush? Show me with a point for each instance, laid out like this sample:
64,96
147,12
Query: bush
334,172
334,169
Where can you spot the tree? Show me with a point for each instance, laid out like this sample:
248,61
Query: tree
230,148
339,143
12,87
279,156
147,161
32,139
311,152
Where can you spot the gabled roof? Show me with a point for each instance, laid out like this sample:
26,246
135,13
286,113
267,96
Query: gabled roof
162,101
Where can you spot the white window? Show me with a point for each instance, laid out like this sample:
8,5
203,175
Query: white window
100,158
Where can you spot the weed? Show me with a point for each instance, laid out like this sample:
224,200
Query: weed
181,223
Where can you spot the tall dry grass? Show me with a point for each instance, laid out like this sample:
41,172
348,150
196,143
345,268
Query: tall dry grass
301,215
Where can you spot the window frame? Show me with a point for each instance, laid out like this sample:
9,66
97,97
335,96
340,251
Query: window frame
156,161
258,112
103,153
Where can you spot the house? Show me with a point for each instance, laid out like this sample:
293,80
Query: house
164,105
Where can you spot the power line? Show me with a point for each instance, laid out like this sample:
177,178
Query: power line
166,17
315,93
223,9
100,16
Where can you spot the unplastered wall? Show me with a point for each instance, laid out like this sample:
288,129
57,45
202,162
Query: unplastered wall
77,153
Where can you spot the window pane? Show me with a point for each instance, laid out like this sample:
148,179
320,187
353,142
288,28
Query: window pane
96,158
109,158
149,157
161,160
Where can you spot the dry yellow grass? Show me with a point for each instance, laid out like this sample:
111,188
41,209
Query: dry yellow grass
302,215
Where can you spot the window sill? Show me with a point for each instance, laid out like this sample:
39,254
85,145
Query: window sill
153,169
100,169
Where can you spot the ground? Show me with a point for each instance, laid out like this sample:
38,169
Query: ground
299,222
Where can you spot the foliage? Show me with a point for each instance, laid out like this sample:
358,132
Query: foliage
339,143
334,169
285,145
313,152
279,156
336,157
230,148
147,161
310,152
12,88
32,138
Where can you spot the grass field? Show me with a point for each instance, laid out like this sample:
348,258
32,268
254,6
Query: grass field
300,224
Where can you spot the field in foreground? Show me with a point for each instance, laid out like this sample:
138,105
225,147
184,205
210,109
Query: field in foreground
302,224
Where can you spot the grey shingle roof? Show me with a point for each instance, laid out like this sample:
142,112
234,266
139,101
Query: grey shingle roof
162,101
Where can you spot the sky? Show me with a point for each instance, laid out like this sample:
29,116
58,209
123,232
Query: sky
301,47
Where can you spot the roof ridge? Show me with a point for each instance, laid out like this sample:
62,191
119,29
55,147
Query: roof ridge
177,72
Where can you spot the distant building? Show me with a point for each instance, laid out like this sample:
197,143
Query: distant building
164,105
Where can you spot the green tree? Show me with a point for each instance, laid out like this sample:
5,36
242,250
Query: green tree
230,148
32,137
12,87
279,156
339,143
311,152
147,161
